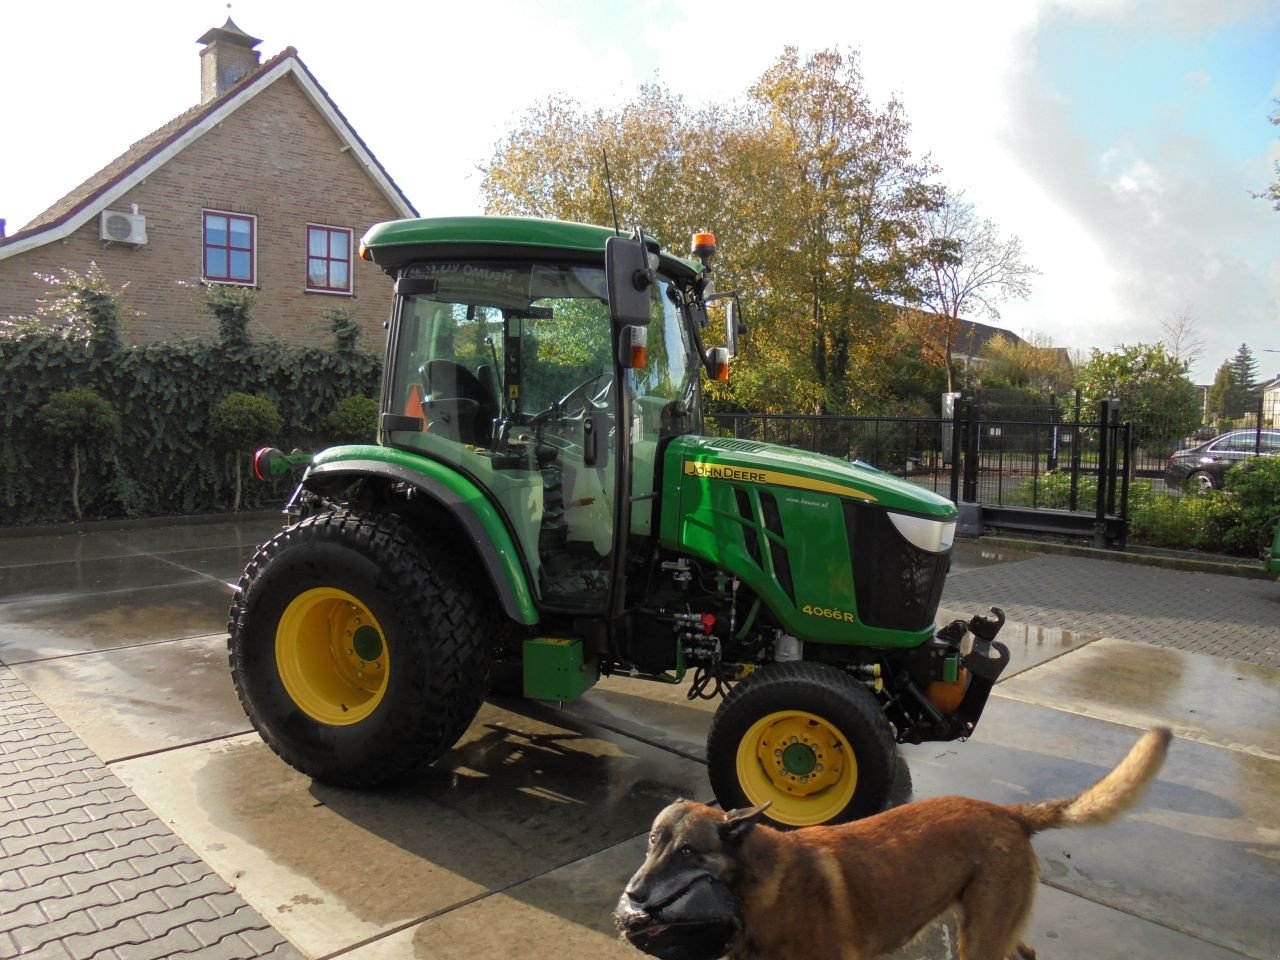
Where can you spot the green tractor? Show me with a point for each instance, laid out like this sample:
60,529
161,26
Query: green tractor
540,510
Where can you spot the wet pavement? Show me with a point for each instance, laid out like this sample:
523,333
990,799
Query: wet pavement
141,817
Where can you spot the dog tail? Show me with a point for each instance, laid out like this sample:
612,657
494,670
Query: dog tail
1109,797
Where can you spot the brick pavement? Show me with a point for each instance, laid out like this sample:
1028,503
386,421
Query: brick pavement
88,871
1199,612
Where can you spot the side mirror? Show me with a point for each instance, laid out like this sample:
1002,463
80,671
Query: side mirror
734,326
628,278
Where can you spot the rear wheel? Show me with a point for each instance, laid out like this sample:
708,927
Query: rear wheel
1200,480
357,653
807,738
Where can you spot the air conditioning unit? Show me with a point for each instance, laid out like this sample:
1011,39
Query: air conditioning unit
123,227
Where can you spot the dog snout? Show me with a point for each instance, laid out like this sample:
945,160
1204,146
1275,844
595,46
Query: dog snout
637,889
628,913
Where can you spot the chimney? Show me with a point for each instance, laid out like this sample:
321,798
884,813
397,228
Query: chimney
228,57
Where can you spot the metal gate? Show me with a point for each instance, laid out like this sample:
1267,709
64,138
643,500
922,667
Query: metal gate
1045,475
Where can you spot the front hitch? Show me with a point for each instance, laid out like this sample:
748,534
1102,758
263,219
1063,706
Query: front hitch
984,662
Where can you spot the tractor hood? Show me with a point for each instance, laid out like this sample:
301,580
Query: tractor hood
750,462
812,536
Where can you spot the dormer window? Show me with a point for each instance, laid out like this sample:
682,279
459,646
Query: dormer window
328,259
230,247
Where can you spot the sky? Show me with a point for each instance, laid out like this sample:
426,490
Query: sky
1120,140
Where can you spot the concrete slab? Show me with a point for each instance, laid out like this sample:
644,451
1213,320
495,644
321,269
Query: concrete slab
522,794
66,578
1210,699
137,700
46,627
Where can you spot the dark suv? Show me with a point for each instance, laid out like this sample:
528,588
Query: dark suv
1205,465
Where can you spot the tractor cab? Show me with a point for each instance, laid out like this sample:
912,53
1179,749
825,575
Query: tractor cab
512,365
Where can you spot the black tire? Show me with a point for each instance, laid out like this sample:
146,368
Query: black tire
1201,480
421,645
806,715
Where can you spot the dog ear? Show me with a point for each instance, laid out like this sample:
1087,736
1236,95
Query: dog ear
738,823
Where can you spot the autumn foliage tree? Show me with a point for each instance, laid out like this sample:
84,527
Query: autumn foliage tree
811,188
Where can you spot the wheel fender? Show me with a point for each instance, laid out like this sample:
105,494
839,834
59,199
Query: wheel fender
473,511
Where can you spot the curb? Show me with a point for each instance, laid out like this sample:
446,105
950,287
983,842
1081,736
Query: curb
1253,571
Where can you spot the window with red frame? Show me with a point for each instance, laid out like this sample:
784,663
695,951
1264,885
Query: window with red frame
229,247
328,259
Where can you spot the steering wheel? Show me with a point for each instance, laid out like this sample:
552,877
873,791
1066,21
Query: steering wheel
592,393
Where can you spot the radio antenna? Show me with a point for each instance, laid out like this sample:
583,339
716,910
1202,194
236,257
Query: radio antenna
609,183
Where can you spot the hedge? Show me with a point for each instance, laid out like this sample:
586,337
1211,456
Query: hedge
166,461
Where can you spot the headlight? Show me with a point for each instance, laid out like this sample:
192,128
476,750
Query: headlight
932,536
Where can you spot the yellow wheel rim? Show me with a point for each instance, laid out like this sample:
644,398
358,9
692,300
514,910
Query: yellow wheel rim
332,656
799,762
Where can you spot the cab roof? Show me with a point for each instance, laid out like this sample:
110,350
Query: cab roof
396,242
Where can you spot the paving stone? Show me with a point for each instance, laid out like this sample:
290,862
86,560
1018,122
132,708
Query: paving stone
136,907
88,871
50,951
41,893
31,938
1209,613
168,944
82,947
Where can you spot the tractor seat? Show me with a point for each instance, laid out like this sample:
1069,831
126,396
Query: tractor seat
454,394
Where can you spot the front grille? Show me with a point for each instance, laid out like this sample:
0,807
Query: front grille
897,585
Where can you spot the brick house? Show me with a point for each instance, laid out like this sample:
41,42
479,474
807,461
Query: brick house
262,184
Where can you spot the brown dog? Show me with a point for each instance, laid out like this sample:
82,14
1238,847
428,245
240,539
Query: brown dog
858,890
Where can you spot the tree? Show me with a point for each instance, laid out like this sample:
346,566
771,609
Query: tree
1152,387
80,420
968,266
850,198
1182,338
240,422
812,189
1223,398
1245,366
1272,192
1037,366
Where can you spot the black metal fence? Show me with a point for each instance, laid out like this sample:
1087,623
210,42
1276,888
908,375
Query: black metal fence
1047,465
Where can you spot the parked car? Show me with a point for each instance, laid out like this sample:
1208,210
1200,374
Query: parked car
1206,464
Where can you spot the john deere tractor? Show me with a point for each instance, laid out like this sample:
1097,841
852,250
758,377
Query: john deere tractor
541,509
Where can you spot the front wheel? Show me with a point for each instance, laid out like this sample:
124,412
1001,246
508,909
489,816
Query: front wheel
807,738
357,653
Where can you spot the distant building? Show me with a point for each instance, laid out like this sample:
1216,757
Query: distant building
1269,391
263,184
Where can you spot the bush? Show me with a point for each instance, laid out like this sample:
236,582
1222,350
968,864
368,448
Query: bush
353,420
242,421
1253,492
78,420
